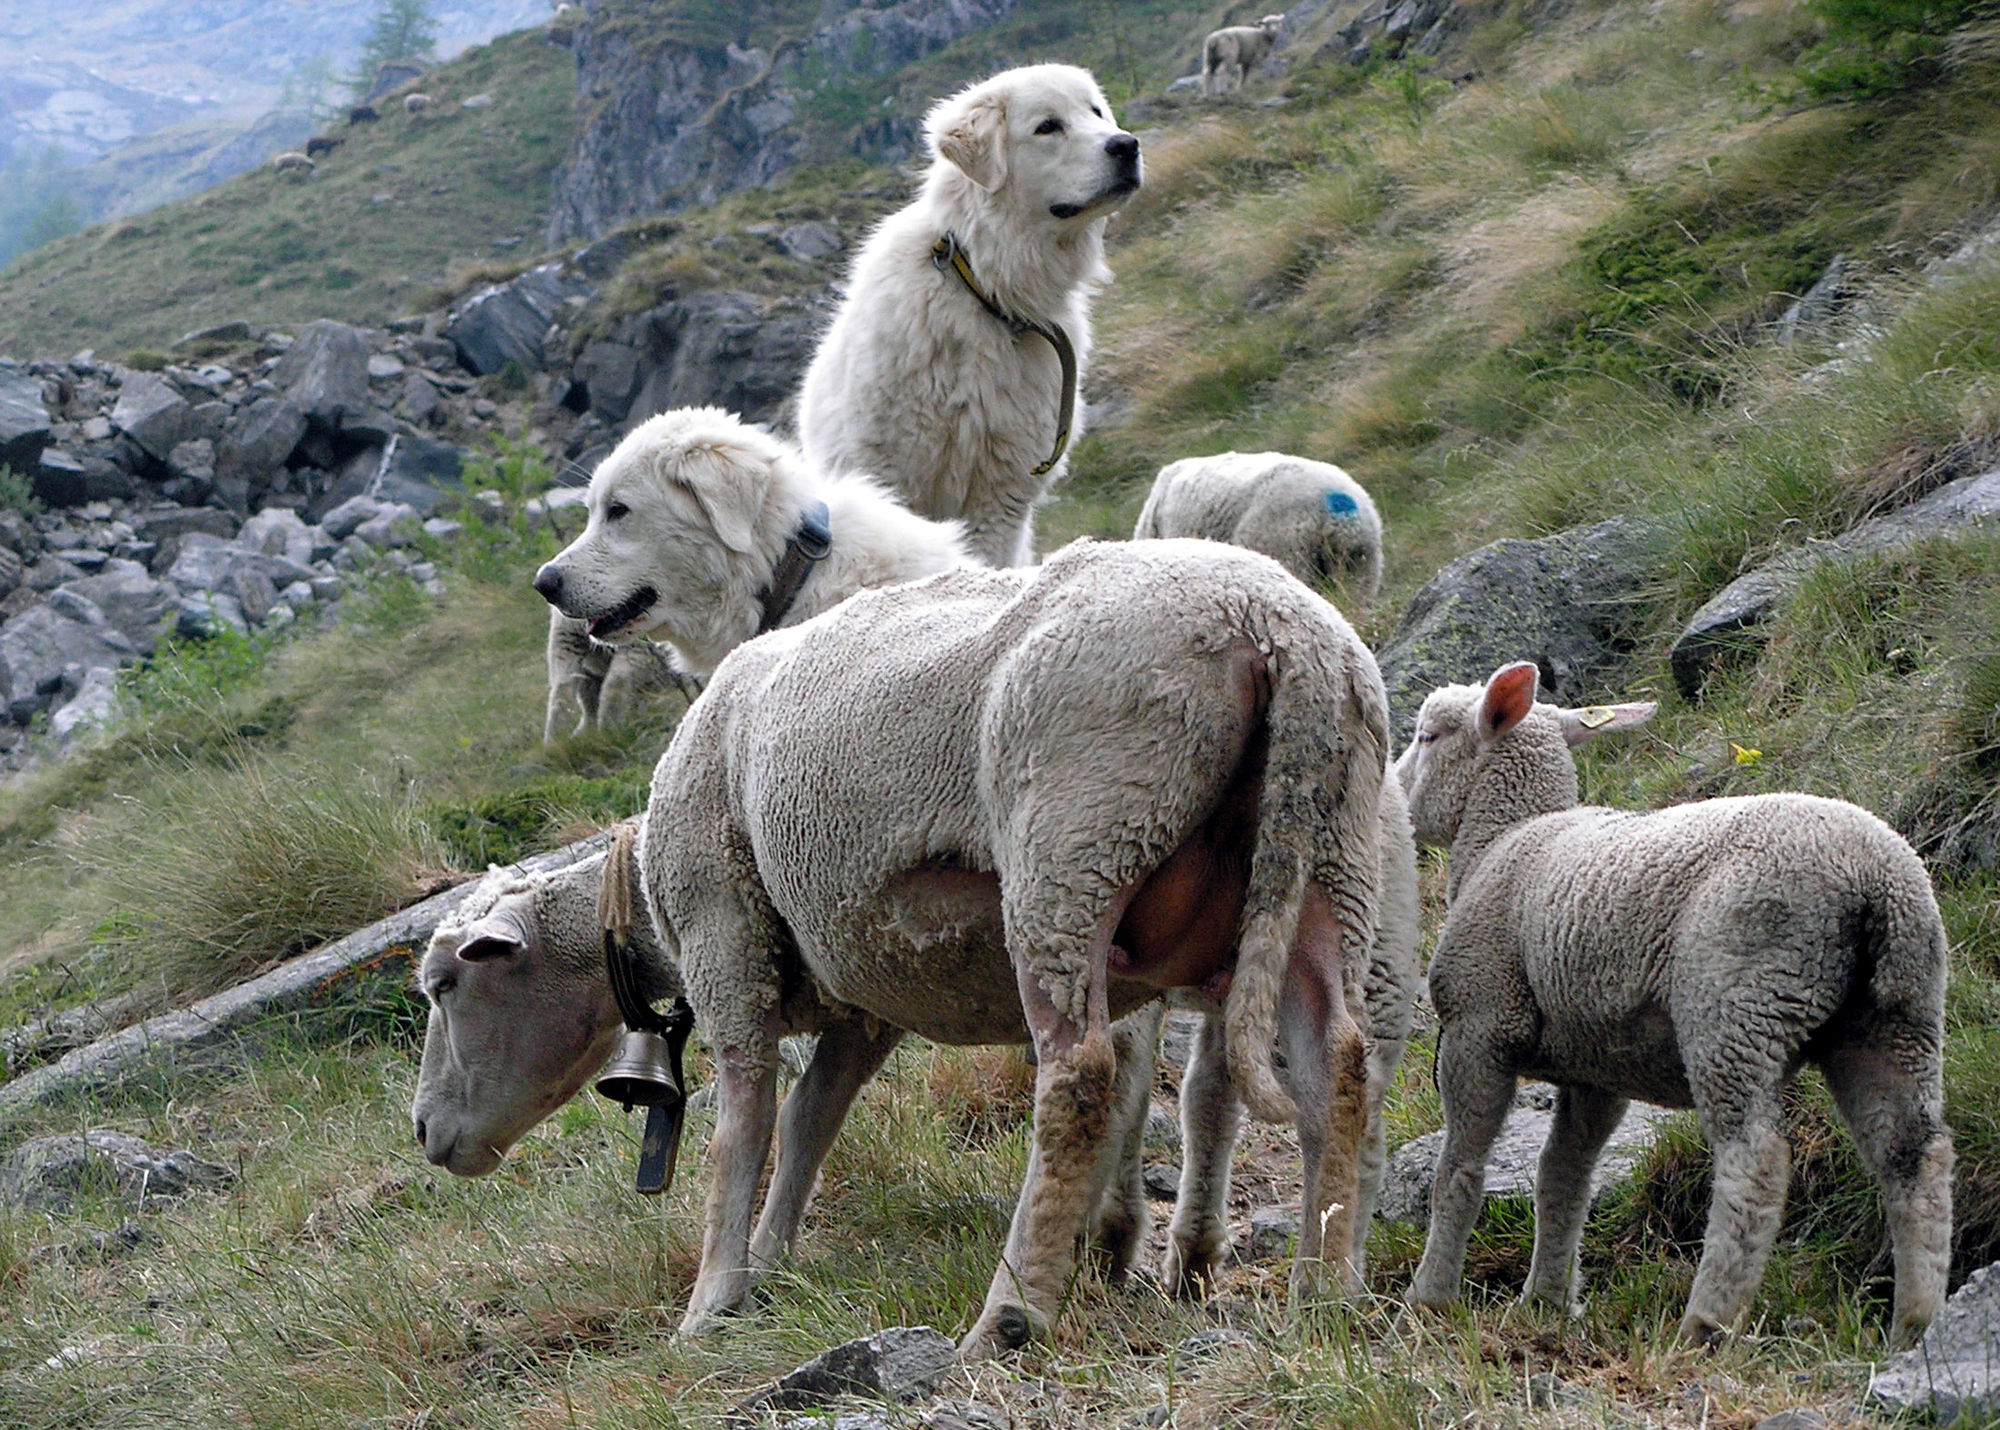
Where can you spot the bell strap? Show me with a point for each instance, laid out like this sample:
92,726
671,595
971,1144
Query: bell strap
660,1146
948,256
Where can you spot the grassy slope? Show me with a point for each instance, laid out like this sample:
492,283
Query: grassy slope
1476,300
272,248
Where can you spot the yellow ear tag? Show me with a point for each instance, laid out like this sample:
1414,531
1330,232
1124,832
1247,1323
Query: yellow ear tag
1594,716
1744,755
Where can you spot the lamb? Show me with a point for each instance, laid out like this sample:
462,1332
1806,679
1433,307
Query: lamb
1691,956
415,104
1257,838
323,144
708,511
1310,517
1229,56
292,162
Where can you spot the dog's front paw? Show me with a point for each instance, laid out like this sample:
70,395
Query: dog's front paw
1001,1329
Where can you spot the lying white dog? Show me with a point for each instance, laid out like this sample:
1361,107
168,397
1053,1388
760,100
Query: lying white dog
951,369
705,531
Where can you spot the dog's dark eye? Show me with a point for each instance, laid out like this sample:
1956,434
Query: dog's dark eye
1051,125
1096,111
616,510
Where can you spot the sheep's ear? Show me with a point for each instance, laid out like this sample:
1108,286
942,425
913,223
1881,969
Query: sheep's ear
1509,696
971,134
723,479
501,934
1587,722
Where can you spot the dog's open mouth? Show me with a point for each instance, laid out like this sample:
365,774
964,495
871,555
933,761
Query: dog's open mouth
618,620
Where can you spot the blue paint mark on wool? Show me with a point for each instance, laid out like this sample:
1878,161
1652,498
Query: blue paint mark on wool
1341,504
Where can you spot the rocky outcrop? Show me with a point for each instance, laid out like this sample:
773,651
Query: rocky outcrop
54,1174
1954,1372
666,122
902,1364
1517,1151
508,322
1558,601
1726,628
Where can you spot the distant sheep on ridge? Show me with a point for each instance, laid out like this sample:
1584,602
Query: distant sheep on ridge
1230,56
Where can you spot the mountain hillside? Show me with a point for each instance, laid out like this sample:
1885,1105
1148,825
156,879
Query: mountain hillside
1664,337
387,216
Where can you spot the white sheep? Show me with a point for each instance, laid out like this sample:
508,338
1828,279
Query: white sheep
1310,517
1229,56
1691,956
292,162
843,867
415,104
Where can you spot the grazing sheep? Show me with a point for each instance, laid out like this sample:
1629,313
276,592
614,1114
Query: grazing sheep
962,847
1230,56
1692,956
692,518
1310,517
323,144
844,867
292,162
415,104
362,114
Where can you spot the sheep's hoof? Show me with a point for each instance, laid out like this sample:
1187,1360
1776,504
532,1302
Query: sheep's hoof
696,1324
1118,1240
1701,1332
1000,1330
1187,1270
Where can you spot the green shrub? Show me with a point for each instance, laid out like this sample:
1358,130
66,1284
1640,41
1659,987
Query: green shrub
17,493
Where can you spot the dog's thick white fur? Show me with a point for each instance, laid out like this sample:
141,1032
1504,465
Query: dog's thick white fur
689,517
916,381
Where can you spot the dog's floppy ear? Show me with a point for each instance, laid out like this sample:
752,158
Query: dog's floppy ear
970,131
728,481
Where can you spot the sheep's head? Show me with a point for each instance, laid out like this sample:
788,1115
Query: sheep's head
521,1014
1271,24
1463,729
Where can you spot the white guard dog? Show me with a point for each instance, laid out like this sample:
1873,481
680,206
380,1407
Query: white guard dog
943,372
699,522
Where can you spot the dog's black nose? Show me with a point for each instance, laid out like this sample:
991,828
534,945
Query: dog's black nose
548,581
1122,147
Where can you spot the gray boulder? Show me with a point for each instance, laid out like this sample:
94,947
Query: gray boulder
55,1173
279,531
24,421
1560,601
1953,1373
901,1364
151,411
508,321
63,478
724,349
1725,629
1510,1168
810,241
610,373
38,645
325,373
254,446
10,571
129,599
95,703
164,523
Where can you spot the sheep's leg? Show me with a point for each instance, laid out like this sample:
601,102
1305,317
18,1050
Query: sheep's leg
1890,1092
1327,1058
1074,1076
1123,1218
1753,1164
1477,1089
1211,1121
1585,1119
1384,1055
746,1108
846,1057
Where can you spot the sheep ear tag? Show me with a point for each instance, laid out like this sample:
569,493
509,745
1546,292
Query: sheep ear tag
1595,716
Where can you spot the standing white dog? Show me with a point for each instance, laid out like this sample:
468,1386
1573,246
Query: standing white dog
951,369
705,531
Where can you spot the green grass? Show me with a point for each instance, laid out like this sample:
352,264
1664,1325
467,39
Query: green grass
271,248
